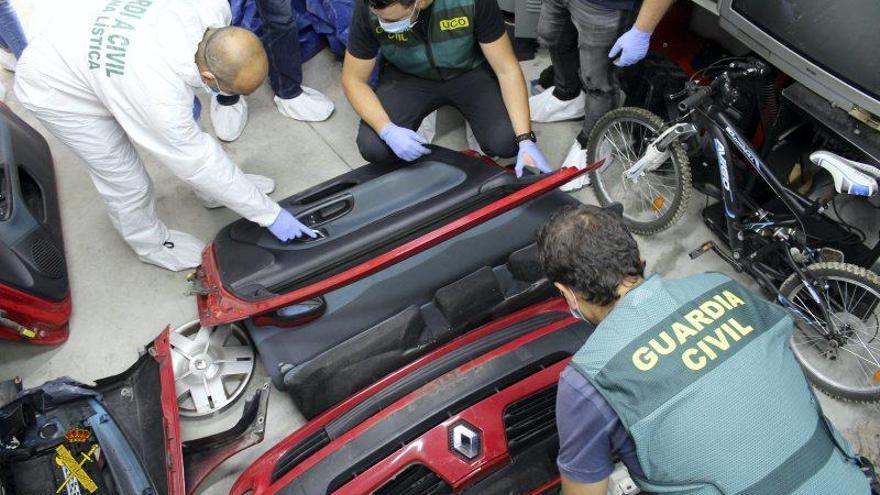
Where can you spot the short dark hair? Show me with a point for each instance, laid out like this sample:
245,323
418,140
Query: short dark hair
381,4
589,250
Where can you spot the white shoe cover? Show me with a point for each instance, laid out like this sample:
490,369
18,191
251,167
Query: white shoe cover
428,127
229,121
310,106
180,252
2,92
7,60
471,139
576,158
544,107
265,184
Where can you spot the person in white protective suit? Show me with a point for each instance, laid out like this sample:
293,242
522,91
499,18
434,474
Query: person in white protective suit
103,74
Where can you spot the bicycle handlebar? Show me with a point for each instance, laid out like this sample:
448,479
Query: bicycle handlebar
695,98
735,70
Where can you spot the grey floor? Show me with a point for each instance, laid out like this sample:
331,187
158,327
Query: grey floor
120,304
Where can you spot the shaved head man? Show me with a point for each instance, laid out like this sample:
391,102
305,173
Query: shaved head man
105,74
232,61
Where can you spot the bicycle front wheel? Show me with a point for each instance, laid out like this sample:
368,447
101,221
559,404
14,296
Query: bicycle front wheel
655,200
841,356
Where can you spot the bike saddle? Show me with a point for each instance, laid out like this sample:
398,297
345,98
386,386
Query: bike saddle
850,177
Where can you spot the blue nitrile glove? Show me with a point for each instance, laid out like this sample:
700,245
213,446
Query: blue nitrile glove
530,154
406,143
632,46
287,227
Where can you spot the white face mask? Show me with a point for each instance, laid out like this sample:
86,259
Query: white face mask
214,92
400,26
575,310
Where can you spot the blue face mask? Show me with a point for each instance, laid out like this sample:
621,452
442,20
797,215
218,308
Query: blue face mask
400,26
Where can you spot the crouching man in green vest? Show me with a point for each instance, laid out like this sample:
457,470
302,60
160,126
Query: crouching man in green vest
439,52
691,382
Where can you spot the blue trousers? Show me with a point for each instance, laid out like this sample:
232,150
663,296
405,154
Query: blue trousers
11,34
282,46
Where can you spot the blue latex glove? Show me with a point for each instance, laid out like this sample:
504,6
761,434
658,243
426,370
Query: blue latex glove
406,143
632,46
530,154
287,227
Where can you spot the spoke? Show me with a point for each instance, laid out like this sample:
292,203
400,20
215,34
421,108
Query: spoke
858,356
804,307
181,378
856,304
220,336
617,149
233,368
845,293
202,336
237,352
199,396
217,392
184,345
876,363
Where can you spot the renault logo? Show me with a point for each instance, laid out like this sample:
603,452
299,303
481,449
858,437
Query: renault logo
465,440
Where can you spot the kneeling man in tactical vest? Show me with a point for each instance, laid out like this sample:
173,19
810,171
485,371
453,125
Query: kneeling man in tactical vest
691,382
439,52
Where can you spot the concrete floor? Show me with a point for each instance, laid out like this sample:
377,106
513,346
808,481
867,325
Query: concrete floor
120,304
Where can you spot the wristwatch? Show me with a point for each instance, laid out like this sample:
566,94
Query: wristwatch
529,136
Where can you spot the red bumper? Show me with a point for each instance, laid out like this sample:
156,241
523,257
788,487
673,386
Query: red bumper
257,479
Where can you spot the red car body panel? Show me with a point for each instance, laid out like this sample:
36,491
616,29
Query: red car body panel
170,416
257,478
48,319
432,448
217,306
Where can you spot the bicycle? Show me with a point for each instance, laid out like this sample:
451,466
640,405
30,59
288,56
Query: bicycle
834,304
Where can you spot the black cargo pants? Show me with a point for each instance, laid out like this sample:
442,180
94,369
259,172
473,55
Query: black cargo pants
409,99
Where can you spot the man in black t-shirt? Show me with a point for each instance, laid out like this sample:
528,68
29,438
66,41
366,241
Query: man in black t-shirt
439,52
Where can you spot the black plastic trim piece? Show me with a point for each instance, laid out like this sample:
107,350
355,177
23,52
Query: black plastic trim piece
530,420
300,452
415,480
435,369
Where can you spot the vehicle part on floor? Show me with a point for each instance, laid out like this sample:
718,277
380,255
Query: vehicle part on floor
212,366
330,358
202,455
34,290
121,435
496,384
367,224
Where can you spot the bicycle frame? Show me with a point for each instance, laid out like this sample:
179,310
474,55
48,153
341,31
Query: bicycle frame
723,133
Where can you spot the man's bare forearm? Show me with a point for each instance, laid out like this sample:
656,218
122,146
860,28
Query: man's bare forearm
516,100
501,57
650,14
367,105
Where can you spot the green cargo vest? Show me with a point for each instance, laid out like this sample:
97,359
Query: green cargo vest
712,394
451,48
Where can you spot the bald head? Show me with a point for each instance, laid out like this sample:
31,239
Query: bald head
235,58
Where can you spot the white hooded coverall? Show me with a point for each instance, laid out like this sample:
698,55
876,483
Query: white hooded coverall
104,73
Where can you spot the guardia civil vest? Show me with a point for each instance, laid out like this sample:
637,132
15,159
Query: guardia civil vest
450,48
702,376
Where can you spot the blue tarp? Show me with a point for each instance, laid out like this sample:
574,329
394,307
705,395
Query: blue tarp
321,23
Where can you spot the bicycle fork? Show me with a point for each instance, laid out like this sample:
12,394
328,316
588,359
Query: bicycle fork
659,150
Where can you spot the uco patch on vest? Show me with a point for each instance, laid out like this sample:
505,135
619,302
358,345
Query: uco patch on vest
455,23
